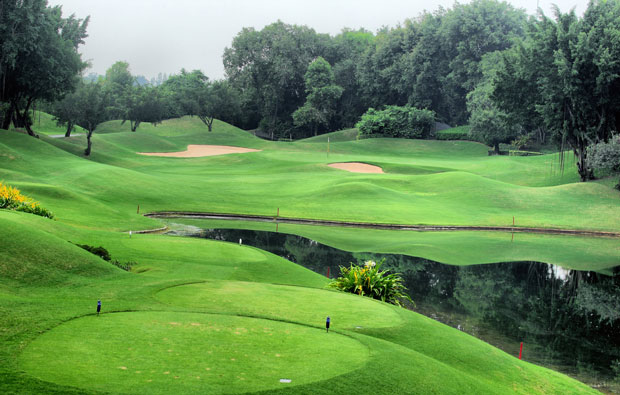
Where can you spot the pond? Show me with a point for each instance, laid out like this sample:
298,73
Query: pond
559,295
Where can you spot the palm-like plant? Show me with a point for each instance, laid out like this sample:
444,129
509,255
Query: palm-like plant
368,280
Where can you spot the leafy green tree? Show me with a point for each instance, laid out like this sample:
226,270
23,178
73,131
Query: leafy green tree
39,58
344,53
218,100
488,123
185,92
322,94
119,89
92,99
191,93
577,75
268,66
144,105
67,111
468,31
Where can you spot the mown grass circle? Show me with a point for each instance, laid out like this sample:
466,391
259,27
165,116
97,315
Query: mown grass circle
165,352
309,306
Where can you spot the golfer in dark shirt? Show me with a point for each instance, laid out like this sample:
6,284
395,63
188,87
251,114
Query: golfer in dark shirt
98,307
327,324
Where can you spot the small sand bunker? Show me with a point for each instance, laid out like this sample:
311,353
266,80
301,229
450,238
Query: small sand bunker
197,151
357,167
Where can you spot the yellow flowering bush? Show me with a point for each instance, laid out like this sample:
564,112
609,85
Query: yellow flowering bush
12,199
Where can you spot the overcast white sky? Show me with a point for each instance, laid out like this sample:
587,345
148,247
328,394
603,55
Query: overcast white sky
164,36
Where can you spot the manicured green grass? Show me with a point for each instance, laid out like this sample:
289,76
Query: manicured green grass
265,300
163,352
428,182
50,342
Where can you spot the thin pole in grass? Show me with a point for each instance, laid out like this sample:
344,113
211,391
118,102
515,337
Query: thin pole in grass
328,146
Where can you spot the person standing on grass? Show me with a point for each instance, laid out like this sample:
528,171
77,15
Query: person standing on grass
327,324
98,307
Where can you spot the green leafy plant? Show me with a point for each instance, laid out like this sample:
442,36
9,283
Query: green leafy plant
368,280
394,121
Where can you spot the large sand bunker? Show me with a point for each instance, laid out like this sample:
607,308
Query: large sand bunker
357,167
197,151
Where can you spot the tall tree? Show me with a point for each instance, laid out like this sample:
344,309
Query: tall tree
268,68
39,58
488,123
144,104
67,111
119,89
219,100
92,103
322,94
576,81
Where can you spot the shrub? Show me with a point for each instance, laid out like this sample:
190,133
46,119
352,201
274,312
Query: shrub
394,121
12,199
125,266
605,156
370,281
99,251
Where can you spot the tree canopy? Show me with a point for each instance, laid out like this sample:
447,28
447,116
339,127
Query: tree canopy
566,73
39,58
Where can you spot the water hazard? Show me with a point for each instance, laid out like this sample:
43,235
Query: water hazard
568,319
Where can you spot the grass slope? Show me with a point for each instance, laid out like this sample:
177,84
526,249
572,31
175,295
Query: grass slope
189,311
428,182
49,287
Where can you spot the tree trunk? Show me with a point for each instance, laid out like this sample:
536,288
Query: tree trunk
134,125
8,115
88,142
496,148
585,173
210,123
22,119
69,129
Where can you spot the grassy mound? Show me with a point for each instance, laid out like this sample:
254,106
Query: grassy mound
32,257
265,300
186,352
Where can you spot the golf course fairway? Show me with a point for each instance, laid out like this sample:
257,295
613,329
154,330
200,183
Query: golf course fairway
205,316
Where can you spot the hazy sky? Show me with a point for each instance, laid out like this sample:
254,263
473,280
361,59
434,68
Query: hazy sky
164,36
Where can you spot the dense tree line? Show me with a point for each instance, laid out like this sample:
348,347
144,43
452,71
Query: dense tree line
514,79
430,62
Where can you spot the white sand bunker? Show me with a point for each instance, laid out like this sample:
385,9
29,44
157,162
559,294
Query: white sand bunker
357,167
197,151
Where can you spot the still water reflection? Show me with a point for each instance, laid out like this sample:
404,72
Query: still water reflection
569,320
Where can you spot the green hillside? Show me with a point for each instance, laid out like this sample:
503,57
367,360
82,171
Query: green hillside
195,315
